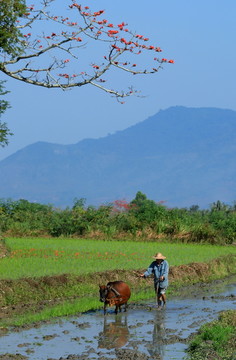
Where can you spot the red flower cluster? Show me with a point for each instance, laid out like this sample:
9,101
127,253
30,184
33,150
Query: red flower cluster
122,205
169,61
66,76
97,13
112,32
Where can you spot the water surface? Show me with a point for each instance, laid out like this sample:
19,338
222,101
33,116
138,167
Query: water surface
156,334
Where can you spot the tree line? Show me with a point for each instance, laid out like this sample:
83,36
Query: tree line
139,219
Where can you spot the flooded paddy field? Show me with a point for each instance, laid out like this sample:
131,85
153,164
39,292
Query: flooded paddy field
142,333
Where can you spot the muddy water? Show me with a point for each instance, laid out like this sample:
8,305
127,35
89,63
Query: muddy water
142,333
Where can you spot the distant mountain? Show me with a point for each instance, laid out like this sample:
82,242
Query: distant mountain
184,156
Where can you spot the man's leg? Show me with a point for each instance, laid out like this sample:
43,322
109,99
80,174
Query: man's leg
163,295
159,302
159,298
158,295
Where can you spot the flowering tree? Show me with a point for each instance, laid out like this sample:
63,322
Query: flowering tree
121,206
54,59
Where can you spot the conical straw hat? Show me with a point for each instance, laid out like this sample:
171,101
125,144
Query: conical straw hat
159,256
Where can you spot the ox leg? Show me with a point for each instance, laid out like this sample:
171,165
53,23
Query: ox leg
116,309
125,309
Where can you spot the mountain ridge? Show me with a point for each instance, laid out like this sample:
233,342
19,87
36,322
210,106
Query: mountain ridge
182,155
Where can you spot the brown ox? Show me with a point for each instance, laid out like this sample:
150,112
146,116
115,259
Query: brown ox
115,293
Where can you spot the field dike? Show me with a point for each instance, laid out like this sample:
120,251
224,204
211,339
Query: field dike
33,295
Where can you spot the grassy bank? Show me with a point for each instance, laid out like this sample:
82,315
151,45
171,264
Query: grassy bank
215,340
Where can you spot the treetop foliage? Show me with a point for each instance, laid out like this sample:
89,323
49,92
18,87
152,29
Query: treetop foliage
10,33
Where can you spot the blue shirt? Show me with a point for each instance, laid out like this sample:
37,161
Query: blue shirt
159,270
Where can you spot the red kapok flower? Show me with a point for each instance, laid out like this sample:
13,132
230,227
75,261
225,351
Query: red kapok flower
113,32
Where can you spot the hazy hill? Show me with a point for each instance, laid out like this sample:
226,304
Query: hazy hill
182,155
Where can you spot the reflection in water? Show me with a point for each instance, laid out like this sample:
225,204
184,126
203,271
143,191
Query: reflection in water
115,333
157,347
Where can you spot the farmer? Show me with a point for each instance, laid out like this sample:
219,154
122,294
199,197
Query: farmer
160,269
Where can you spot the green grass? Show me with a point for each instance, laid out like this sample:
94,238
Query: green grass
38,257
61,310
215,338
217,334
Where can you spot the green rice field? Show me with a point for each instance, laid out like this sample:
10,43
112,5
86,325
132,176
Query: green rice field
40,257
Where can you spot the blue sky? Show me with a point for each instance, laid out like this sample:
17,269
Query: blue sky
198,35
